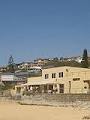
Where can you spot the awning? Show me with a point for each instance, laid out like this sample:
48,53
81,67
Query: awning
39,83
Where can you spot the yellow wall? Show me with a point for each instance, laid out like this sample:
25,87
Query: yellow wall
33,79
68,74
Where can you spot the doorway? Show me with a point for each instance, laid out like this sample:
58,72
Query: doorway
61,88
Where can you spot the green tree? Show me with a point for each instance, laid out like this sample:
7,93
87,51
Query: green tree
11,65
85,59
2,86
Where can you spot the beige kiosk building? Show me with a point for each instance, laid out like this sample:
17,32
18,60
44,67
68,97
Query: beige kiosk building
59,80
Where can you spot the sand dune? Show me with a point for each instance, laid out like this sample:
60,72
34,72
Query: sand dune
14,111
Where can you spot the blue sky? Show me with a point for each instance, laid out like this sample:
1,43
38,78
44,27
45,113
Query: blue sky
30,29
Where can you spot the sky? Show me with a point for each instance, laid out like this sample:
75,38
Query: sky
31,29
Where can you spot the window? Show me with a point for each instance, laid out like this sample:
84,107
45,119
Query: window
53,75
85,87
46,76
76,79
60,74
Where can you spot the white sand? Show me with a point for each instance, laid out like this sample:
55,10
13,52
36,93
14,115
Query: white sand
14,111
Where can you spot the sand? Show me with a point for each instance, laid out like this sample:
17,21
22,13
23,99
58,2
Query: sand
14,111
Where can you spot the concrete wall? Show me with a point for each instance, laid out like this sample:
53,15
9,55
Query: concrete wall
69,76
33,79
7,77
73,79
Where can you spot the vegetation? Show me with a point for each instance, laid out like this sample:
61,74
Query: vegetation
58,63
2,86
38,74
5,89
6,86
84,62
55,62
11,65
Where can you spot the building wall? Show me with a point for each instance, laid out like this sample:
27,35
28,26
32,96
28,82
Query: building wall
73,78
34,79
7,77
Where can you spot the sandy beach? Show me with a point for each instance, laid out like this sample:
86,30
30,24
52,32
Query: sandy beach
14,111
